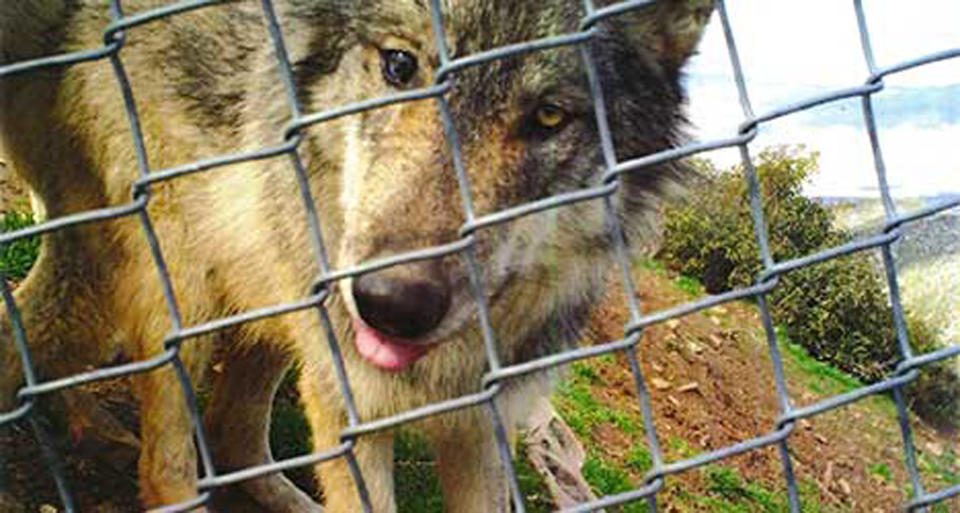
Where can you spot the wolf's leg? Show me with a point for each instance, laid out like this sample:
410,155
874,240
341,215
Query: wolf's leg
58,314
168,458
469,465
238,422
373,452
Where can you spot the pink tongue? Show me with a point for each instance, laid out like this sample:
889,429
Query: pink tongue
385,352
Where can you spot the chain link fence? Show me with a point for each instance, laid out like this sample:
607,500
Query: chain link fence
498,375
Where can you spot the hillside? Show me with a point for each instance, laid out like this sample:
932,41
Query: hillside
711,382
712,386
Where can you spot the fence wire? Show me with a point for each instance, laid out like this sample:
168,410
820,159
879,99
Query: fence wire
493,381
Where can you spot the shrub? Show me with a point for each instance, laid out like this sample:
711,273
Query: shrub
710,235
837,310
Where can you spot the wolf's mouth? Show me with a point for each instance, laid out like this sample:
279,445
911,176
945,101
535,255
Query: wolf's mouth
386,352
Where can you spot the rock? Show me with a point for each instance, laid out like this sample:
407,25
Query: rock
715,340
934,448
660,383
844,487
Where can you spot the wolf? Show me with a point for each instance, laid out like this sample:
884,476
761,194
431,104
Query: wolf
236,238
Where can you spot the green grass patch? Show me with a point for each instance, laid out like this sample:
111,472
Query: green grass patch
639,458
17,257
650,264
822,378
607,359
415,477
418,486
691,286
289,431
735,494
881,470
729,492
535,492
576,404
606,479
680,449
942,467
583,412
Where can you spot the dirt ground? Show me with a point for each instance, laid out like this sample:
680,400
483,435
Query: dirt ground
712,386
711,381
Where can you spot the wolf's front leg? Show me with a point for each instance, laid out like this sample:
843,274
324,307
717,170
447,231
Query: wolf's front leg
168,458
373,453
468,462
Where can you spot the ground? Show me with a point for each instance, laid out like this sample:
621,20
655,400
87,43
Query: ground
711,382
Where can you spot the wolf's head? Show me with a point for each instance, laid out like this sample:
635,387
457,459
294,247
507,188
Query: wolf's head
386,179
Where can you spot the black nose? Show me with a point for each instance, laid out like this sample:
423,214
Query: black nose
406,301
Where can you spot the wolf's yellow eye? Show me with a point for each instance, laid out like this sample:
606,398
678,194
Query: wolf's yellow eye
550,116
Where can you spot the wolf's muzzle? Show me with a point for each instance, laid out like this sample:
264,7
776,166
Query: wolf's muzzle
406,301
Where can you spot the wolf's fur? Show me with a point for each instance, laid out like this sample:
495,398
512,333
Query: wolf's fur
235,239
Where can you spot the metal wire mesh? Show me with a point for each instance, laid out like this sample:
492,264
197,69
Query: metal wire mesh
493,381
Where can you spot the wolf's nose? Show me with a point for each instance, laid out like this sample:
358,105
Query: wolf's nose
407,301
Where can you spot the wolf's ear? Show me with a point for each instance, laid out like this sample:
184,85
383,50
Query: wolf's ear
670,29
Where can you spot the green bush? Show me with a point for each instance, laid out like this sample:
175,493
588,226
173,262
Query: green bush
17,257
837,310
710,234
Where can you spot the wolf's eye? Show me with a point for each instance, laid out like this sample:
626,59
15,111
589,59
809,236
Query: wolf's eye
399,66
550,116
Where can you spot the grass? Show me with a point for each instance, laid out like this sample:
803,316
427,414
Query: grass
726,491
607,479
691,286
415,477
575,402
17,257
688,284
729,492
822,377
639,459
418,487
882,471
943,467
584,413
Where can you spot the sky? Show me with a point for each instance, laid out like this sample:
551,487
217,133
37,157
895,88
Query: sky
792,50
